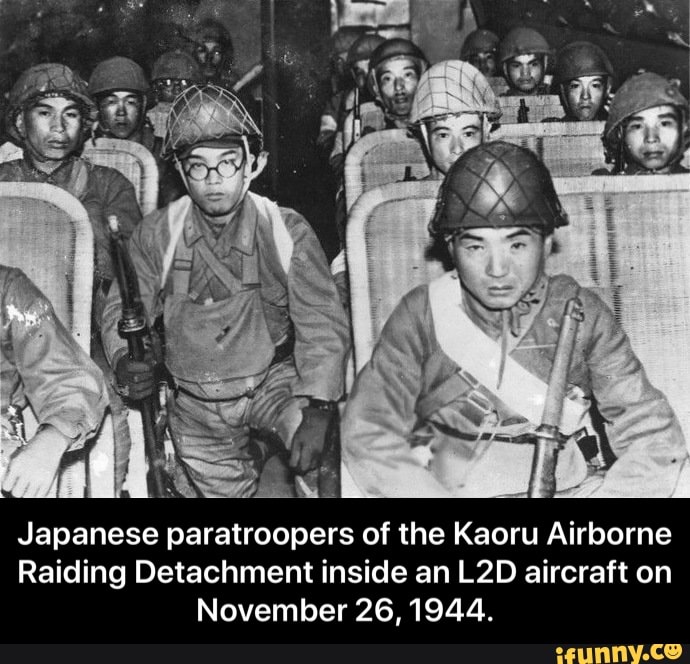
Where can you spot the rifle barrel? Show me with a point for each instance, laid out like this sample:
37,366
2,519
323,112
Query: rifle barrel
548,442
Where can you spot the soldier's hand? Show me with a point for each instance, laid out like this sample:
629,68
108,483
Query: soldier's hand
309,439
135,379
33,468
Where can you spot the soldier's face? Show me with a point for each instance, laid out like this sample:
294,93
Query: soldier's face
498,266
485,62
220,189
51,128
451,136
585,96
525,72
119,113
653,137
209,54
397,80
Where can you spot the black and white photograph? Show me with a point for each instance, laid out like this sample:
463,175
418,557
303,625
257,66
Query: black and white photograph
345,248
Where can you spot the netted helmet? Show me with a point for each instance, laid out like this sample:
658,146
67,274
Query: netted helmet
522,41
363,47
497,184
117,73
207,115
581,58
452,87
176,65
48,80
479,41
638,93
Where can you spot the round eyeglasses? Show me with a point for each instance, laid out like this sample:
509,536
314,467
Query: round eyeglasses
226,168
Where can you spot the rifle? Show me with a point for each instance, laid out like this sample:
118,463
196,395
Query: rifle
523,112
357,118
132,326
548,438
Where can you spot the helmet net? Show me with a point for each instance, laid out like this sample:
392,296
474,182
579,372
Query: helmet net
497,184
48,80
205,114
452,87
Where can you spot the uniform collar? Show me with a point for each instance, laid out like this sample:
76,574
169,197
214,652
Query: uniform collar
239,233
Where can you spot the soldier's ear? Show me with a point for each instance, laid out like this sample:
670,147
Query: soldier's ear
259,163
548,244
20,125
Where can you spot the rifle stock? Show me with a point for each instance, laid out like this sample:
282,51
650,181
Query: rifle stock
549,439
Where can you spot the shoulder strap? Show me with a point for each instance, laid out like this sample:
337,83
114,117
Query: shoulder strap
79,178
177,213
479,355
281,234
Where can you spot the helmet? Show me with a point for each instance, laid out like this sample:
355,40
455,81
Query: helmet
581,58
345,36
641,91
479,41
497,184
394,48
363,47
210,30
48,80
176,64
117,74
521,41
452,87
397,48
205,115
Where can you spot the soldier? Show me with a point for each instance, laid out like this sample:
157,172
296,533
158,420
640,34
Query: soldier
255,334
214,52
394,70
172,73
340,104
452,111
647,128
524,58
50,114
584,76
480,50
41,364
120,89
461,368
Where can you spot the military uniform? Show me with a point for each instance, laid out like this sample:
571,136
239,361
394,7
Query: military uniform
102,191
42,364
232,301
419,424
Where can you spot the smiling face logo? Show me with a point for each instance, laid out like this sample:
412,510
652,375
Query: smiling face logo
673,650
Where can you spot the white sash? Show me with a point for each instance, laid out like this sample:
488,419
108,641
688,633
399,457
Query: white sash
480,356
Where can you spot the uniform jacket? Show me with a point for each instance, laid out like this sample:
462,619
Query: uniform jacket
42,362
304,300
102,191
384,415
